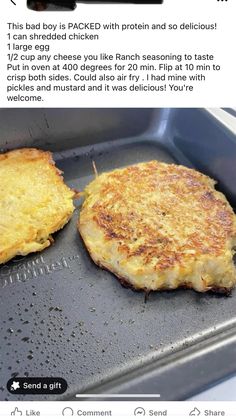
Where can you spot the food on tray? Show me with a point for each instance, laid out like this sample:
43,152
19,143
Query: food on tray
34,202
160,226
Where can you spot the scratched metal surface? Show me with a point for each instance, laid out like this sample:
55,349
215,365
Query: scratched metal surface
60,315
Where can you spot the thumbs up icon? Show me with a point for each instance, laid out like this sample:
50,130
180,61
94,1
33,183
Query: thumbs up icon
16,412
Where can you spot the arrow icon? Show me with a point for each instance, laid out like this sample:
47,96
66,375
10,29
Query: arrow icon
195,412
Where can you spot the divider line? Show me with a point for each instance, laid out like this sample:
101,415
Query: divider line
119,396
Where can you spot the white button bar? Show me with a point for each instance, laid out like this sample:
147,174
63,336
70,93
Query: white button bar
118,409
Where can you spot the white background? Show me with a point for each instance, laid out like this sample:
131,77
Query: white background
218,91
175,410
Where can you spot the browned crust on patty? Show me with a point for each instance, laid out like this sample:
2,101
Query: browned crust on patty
116,226
125,282
154,221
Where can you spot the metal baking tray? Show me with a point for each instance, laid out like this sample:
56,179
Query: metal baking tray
62,316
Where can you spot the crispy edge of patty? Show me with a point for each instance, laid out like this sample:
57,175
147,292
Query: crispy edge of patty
126,283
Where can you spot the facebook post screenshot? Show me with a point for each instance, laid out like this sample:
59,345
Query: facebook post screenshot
118,209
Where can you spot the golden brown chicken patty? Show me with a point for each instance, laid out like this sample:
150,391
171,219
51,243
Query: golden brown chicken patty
34,202
160,226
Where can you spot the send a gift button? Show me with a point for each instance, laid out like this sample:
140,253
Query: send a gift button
37,385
